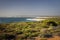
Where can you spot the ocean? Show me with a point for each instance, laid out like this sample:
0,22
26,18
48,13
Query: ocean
12,19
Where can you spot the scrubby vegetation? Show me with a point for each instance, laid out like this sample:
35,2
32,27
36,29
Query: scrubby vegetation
28,30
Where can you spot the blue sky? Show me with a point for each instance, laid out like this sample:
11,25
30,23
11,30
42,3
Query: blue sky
10,8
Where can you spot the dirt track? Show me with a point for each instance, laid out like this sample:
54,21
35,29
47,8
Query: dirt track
54,38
